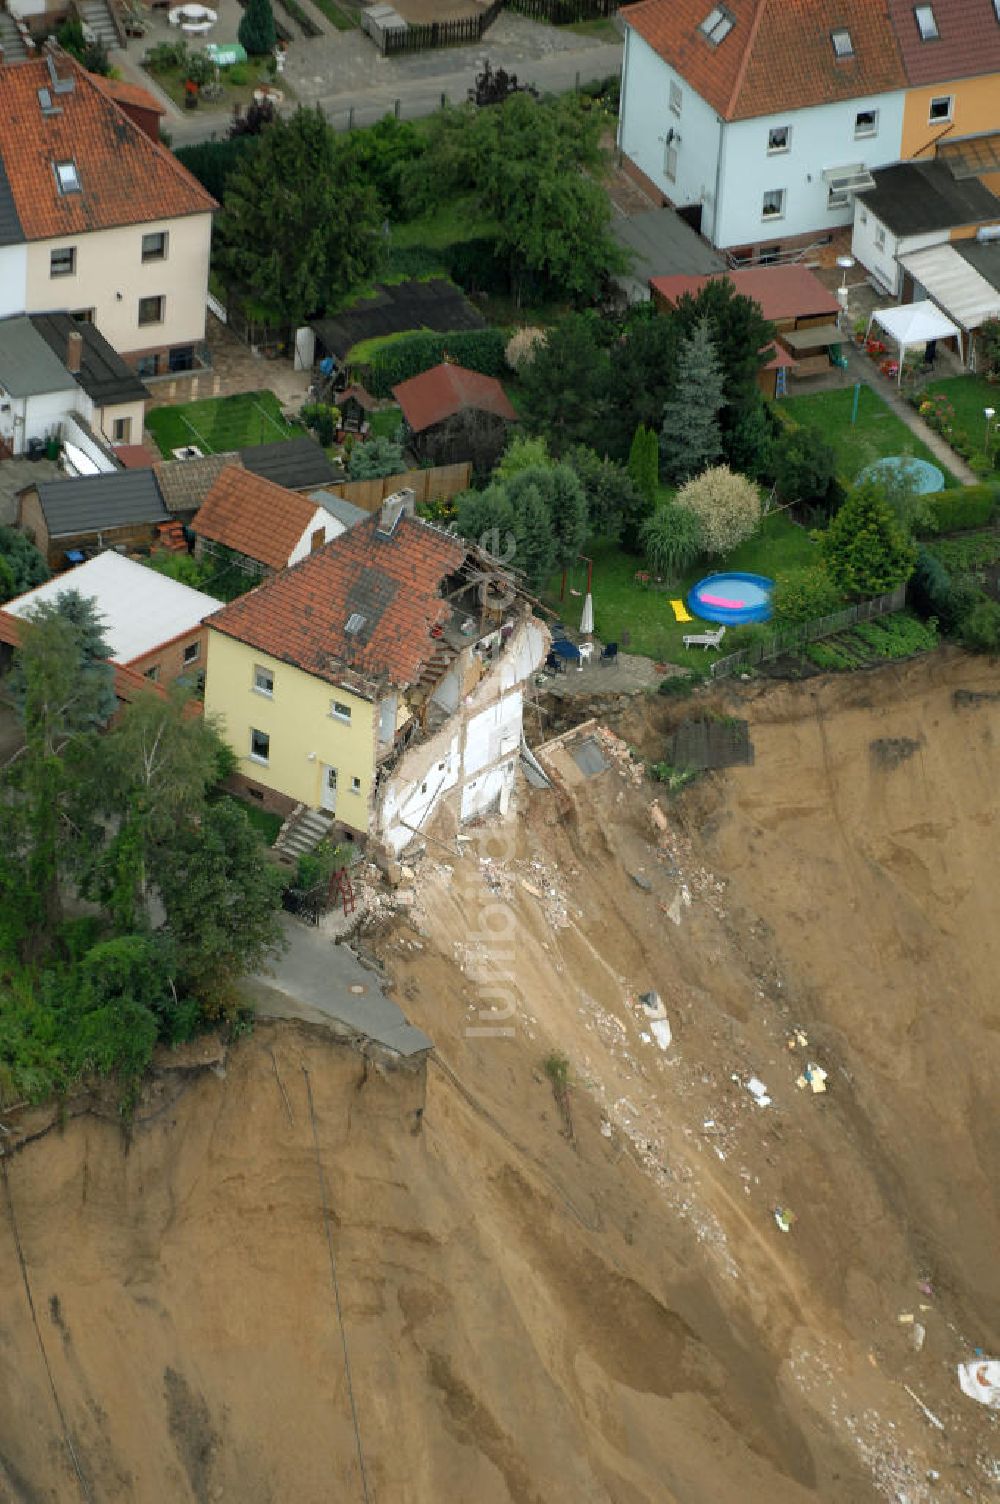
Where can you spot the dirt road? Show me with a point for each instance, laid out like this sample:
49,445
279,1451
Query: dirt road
587,1298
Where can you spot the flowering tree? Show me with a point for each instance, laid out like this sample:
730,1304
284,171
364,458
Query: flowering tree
726,504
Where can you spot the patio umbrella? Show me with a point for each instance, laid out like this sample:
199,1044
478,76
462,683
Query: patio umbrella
587,619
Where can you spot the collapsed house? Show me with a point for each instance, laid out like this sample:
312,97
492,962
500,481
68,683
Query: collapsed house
380,682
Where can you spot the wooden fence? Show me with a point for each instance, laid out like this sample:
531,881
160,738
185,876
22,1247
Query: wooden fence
467,29
793,639
435,484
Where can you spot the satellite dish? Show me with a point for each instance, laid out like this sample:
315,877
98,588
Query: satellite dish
80,463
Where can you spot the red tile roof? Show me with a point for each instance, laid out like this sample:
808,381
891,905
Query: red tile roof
783,292
135,456
778,56
968,41
123,92
392,583
253,516
445,390
125,178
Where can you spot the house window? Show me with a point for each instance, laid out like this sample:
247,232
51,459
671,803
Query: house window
151,310
670,163
192,652
866,123
147,366
779,138
121,431
181,358
717,25
355,785
152,674
82,316
154,246
926,24
940,110
676,97
67,177
263,680
317,539
773,206
769,255
842,43
340,711
260,746
62,262
880,237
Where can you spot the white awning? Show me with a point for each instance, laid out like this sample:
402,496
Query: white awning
953,284
854,178
912,324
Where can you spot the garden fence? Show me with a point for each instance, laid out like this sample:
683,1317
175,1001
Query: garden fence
397,39
793,639
438,483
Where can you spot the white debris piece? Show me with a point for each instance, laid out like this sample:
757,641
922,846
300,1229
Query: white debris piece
661,1033
758,1091
981,1381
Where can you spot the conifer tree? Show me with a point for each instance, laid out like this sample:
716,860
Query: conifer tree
691,439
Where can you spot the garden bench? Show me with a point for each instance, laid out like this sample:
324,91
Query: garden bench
704,639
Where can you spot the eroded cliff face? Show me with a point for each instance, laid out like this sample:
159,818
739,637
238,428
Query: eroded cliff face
587,1298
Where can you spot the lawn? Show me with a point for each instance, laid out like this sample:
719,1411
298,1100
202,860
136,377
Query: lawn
877,433
342,18
457,220
644,611
969,395
221,423
385,422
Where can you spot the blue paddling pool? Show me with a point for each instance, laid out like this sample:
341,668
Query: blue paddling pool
731,598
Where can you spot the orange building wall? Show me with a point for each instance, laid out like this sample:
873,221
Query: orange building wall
976,111
169,658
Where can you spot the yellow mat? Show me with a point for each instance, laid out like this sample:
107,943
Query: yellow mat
680,614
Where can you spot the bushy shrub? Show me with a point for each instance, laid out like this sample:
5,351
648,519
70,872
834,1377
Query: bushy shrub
671,539
239,75
200,69
477,349
865,550
805,594
166,55
376,458
522,345
322,419
727,505
212,162
804,465
980,628
961,508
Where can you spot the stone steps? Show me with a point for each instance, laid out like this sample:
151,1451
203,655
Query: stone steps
303,832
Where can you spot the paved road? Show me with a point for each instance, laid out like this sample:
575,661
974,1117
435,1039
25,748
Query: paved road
345,75
312,980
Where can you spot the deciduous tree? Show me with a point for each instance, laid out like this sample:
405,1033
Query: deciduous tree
727,506
566,385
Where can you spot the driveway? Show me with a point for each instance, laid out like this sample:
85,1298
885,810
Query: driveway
324,983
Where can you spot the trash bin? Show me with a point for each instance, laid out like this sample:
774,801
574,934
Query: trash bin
52,447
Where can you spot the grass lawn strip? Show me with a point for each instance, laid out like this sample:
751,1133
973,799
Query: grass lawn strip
221,423
877,433
969,396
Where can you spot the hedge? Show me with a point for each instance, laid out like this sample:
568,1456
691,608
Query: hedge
960,508
478,349
211,162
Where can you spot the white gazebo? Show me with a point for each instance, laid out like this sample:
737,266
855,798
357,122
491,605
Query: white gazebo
912,324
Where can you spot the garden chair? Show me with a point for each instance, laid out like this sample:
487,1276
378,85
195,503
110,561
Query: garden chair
609,654
705,639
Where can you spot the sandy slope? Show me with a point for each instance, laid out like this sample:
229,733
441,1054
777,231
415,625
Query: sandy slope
591,1305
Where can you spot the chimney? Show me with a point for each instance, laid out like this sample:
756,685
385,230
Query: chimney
74,352
393,508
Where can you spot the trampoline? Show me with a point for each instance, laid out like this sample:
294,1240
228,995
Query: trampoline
927,478
732,598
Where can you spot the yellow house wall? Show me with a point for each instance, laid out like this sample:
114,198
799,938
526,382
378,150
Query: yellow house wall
297,718
976,110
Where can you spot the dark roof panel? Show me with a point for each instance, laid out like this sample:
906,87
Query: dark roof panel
914,198
296,464
436,305
95,503
104,376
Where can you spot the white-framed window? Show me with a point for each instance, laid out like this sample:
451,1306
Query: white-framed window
151,310
67,177
340,711
837,198
880,237
676,97
260,746
779,138
773,206
121,431
865,124
355,785
154,246
926,24
843,44
940,110
263,680
670,164
62,261
192,652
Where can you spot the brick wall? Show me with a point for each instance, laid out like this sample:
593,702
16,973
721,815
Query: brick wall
168,658
256,793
